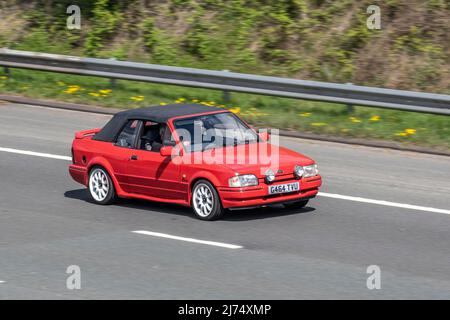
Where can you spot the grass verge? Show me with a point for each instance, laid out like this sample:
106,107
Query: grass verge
408,128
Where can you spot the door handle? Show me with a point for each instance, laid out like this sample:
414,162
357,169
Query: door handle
133,157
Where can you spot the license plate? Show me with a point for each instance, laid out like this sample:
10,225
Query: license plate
284,188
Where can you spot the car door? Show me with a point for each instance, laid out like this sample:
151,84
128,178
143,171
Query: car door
119,153
149,173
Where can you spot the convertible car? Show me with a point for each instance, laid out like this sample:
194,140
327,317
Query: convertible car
192,155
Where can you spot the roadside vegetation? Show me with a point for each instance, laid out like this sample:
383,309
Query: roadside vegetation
306,39
287,114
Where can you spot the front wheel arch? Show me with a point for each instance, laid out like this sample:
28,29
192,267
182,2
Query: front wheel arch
218,210
195,180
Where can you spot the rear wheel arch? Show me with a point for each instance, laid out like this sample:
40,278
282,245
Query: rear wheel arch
97,165
100,162
101,186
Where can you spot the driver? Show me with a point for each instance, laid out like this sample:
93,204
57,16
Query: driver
158,142
153,138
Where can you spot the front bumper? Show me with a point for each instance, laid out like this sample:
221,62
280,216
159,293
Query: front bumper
259,196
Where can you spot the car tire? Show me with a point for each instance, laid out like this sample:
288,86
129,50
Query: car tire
296,205
100,186
205,201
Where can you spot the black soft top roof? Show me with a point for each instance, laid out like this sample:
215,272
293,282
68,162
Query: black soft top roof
158,114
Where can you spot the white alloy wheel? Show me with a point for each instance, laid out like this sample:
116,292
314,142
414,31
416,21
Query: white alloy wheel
203,200
99,184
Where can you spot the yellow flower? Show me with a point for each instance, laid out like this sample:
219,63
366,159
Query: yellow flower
374,118
162,103
318,124
401,134
194,100
212,103
181,99
3,77
355,120
254,112
72,89
410,131
105,91
235,110
305,114
94,94
137,98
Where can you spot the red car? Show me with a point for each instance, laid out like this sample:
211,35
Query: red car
193,155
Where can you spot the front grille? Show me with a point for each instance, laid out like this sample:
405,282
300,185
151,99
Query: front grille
280,178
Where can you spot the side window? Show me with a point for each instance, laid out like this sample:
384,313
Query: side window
150,138
168,139
127,136
154,136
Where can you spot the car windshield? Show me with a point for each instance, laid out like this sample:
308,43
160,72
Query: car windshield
213,131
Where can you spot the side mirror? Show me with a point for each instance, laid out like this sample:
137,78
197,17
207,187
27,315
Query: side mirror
264,135
166,151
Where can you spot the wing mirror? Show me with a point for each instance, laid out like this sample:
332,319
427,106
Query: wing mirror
168,151
264,135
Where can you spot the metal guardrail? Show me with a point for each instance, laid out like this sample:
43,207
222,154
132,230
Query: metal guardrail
230,81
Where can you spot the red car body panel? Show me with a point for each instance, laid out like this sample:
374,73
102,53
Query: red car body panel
158,178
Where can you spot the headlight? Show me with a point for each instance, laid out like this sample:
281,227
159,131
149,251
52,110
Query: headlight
311,171
298,171
245,180
270,176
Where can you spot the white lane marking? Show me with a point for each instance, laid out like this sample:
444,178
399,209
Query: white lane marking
168,236
322,194
36,154
383,203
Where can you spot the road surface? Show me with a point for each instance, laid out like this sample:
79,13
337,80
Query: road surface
47,224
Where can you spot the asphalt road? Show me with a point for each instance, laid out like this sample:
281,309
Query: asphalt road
47,223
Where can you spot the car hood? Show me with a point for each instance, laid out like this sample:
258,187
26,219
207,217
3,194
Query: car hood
257,158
